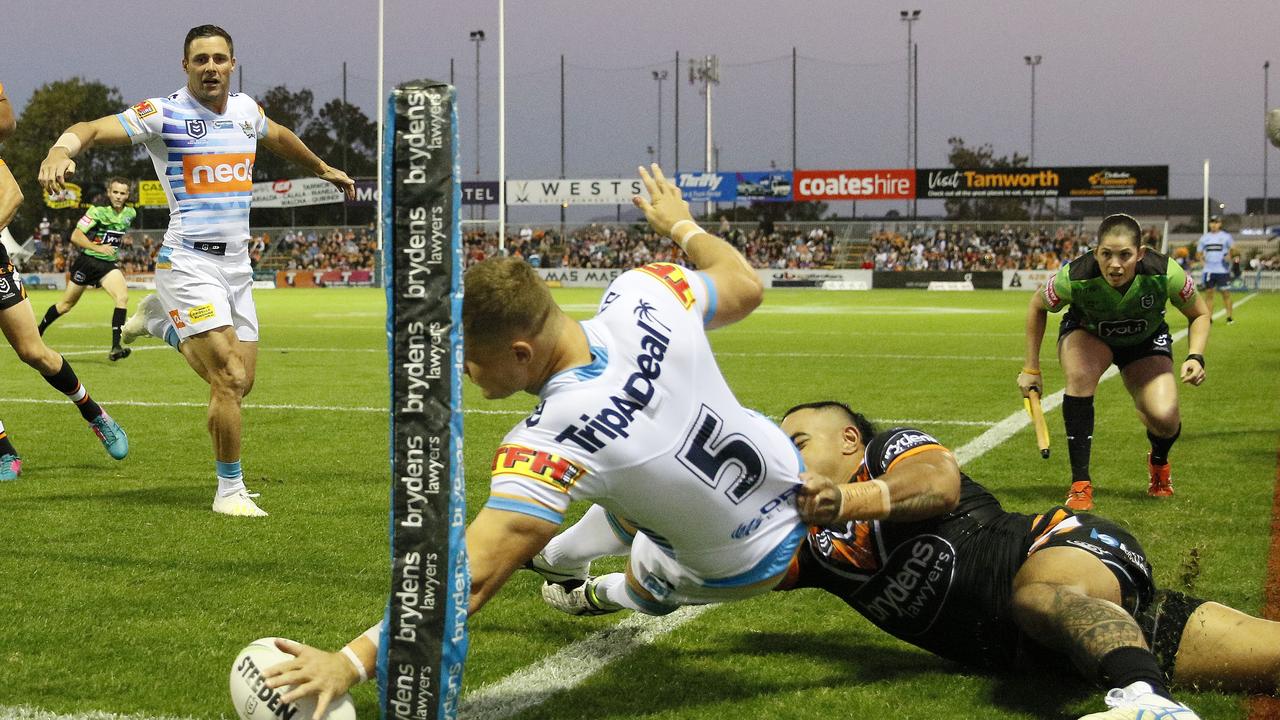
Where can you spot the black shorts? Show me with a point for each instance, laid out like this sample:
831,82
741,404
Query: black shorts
1113,545
1158,343
1215,281
89,271
11,290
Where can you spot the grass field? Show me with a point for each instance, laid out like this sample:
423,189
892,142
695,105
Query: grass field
120,591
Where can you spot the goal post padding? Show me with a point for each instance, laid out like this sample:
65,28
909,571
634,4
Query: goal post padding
424,637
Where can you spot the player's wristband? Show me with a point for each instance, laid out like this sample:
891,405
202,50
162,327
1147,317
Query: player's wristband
1198,358
864,501
351,657
683,231
1029,371
70,142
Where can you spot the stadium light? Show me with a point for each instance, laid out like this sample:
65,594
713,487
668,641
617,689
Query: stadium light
477,36
1032,61
909,17
659,75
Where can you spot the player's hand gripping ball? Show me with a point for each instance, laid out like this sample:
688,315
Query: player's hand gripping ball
255,701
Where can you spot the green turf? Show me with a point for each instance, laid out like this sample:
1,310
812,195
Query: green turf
121,591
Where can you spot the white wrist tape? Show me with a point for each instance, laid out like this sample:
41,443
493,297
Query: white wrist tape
351,656
69,142
682,232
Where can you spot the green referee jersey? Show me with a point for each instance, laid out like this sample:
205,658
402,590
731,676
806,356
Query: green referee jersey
1120,319
105,226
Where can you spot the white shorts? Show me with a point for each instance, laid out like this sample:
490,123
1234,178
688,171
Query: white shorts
673,584
203,292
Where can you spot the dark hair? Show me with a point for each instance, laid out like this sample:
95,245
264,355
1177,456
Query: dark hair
1120,224
118,179
866,430
201,31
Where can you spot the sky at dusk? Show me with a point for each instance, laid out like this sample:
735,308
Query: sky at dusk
1137,83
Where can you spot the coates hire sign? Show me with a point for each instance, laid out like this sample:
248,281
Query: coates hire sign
1076,181
855,184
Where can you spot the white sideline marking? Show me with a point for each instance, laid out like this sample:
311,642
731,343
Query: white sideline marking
366,409
26,712
574,663
883,356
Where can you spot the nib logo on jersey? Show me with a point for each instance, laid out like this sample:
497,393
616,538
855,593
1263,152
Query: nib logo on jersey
217,173
908,593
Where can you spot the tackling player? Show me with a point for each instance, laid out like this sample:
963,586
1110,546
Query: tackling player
98,235
929,556
1214,250
18,323
202,140
635,416
1117,296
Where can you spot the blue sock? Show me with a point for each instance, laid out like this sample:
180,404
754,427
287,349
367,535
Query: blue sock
171,337
230,477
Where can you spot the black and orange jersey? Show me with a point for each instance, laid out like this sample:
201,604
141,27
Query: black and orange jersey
943,584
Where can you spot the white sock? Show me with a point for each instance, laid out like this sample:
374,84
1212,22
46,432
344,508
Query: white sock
230,486
157,325
612,589
591,537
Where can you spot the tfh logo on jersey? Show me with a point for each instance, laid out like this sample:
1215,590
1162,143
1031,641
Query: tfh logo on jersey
558,472
673,277
1051,295
219,173
144,108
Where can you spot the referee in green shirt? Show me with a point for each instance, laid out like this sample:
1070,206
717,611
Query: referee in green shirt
1115,299
98,234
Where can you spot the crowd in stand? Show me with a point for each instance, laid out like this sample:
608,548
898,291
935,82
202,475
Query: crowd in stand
974,248
937,247
613,246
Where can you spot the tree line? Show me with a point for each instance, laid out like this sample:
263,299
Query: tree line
339,132
345,137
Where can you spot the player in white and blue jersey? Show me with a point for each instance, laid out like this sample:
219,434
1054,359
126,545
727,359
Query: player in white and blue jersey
1214,250
202,140
634,416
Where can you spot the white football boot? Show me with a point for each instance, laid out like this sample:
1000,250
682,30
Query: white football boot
238,504
1137,702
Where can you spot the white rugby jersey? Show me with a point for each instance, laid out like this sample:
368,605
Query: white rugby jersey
205,163
651,431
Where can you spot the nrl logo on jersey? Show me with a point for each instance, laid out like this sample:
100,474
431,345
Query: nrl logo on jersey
196,129
1148,301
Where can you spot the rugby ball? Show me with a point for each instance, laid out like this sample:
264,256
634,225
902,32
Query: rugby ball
1273,126
255,701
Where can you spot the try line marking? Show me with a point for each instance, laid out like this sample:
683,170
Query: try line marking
575,663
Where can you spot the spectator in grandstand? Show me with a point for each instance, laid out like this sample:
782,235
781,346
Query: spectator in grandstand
929,556
98,235
1117,297
203,304
681,509
18,325
1214,250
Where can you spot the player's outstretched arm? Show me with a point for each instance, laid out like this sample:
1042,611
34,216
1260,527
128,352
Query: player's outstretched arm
283,142
1029,377
738,288
918,487
60,160
10,196
499,542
